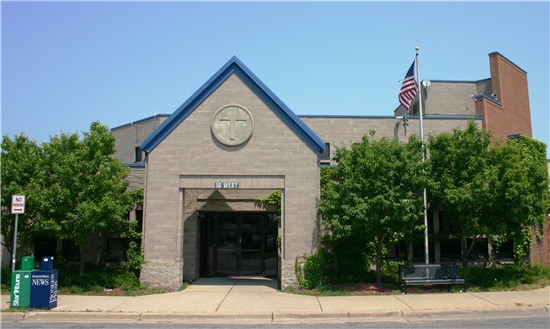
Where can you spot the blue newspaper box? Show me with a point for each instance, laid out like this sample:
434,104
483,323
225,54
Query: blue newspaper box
44,289
47,263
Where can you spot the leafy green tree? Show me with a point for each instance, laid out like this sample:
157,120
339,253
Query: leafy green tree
489,189
79,190
523,192
463,183
372,198
21,160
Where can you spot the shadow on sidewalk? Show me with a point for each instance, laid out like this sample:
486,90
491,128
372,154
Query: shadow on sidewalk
236,281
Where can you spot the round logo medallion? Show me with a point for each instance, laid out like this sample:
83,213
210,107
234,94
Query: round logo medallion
232,125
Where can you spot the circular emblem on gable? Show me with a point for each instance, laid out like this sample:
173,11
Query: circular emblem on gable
232,125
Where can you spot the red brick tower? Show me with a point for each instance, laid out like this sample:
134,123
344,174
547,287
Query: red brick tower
507,111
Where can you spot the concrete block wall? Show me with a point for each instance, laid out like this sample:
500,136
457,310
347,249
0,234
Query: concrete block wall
449,98
130,136
191,150
344,131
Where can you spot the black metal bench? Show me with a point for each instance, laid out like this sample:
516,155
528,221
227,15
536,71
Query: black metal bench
428,274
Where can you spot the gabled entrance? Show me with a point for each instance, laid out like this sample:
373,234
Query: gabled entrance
239,244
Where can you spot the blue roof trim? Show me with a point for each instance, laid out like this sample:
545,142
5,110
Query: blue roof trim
234,65
133,165
477,97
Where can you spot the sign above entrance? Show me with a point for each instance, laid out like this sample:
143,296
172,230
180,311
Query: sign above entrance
232,125
226,185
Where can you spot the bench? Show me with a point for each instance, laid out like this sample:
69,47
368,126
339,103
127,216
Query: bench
428,274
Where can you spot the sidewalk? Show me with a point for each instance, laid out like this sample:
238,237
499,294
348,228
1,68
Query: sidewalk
257,300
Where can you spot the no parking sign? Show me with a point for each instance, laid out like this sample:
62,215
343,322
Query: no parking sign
17,204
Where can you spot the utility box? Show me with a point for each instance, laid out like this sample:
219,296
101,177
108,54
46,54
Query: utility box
44,289
27,263
20,289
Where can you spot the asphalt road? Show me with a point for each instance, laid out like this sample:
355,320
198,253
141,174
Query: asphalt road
512,322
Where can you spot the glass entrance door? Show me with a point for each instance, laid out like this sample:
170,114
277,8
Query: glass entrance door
241,244
251,243
226,245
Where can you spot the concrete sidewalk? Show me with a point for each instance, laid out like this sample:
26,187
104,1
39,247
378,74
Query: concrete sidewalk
257,300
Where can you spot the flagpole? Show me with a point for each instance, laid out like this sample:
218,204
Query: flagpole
420,110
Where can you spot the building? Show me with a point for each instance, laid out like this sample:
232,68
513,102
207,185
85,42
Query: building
204,167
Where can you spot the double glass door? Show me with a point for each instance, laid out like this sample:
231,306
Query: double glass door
241,244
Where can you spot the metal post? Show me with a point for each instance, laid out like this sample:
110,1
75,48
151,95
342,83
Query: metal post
420,110
14,242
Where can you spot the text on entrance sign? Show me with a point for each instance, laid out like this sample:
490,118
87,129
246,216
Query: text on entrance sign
226,185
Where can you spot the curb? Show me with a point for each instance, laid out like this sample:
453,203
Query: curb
268,317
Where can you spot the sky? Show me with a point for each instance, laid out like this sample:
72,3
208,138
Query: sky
67,64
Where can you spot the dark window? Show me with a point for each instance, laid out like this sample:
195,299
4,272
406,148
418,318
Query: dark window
70,250
44,246
397,251
138,154
116,249
480,251
326,155
139,218
505,250
446,223
450,250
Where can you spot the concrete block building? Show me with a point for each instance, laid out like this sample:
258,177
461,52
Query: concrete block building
204,167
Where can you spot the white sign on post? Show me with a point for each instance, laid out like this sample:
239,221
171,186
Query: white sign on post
17,204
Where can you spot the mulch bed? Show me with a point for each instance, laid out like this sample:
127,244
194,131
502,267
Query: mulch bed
372,289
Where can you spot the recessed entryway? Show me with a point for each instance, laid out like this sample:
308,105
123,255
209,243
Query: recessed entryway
239,244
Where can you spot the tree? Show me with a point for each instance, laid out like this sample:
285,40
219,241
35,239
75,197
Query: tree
21,160
523,193
463,182
490,190
79,190
372,198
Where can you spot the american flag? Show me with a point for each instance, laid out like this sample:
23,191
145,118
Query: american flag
409,88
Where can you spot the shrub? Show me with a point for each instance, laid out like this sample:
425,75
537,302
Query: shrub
314,271
504,276
126,280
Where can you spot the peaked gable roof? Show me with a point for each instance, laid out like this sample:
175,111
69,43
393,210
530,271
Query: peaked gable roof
234,65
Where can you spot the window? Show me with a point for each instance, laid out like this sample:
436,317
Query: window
139,218
326,155
505,251
116,249
44,246
138,154
450,250
70,250
446,223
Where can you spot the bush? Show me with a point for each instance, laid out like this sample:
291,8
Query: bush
314,271
127,280
96,279
390,271
504,276
6,279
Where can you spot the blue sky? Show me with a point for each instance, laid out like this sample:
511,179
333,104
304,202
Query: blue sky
66,64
